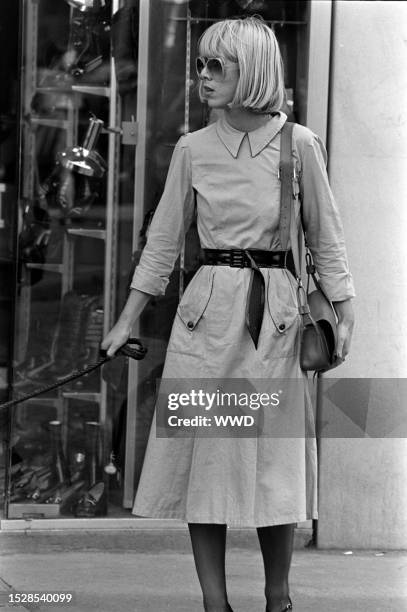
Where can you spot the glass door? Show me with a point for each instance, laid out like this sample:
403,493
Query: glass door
62,442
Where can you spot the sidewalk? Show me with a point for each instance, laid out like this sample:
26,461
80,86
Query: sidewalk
106,575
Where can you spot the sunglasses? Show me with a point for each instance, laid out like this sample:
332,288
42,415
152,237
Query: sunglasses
215,65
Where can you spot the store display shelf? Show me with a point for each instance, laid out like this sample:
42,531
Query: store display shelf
89,233
42,400
48,122
31,510
57,268
54,89
93,90
84,396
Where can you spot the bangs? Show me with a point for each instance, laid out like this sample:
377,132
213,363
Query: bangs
216,41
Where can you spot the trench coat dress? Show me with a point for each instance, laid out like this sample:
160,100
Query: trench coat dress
255,481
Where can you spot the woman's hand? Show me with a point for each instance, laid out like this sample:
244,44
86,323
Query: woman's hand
118,335
120,332
346,321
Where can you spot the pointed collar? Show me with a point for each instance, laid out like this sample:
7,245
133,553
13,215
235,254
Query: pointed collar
258,139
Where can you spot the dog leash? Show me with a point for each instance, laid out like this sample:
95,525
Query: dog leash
133,348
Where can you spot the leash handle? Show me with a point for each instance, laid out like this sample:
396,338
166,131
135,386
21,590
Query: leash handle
133,348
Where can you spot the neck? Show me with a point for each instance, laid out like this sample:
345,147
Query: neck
245,120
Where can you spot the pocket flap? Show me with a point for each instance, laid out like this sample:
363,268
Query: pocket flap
196,297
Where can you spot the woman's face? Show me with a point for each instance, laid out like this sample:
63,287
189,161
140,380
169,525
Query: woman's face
218,91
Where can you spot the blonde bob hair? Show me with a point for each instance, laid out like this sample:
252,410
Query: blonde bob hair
253,45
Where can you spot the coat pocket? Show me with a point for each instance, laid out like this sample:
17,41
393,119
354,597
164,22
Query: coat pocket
196,298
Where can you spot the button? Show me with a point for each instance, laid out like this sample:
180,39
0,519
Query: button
190,325
281,327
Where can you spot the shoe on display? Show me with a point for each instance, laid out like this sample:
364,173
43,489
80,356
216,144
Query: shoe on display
27,483
21,485
65,494
47,494
93,502
42,484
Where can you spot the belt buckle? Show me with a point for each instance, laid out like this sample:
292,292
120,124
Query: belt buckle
237,258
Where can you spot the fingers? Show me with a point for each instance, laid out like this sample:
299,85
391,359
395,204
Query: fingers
343,342
339,351
111,346
106,343
111,351
113,341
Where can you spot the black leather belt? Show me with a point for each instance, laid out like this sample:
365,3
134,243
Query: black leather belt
239,258
254,259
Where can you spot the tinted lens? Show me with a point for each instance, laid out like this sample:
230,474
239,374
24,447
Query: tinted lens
200,65
215,67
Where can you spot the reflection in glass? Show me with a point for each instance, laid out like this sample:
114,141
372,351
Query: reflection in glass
87,5
84,159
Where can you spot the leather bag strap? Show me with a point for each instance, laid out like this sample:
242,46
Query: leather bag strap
286,174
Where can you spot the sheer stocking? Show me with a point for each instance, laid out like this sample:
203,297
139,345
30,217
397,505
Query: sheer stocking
276,543
208,546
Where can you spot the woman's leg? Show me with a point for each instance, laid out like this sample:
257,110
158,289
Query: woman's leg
276,543
208,545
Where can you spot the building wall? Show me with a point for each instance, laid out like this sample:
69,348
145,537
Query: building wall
363,491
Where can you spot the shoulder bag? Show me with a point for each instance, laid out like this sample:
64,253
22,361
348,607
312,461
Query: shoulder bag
319,320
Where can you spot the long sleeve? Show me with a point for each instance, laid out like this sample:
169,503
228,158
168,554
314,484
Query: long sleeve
322,222
171,221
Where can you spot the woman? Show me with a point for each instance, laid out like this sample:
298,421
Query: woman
229,171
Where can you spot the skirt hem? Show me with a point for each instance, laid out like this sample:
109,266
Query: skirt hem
230,521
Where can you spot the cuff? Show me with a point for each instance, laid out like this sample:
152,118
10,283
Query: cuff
148,283
339,288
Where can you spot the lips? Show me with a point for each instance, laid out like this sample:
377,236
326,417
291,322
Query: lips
208,89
